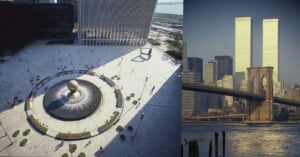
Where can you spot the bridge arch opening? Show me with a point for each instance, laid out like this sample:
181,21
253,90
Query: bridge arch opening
263,85
253,84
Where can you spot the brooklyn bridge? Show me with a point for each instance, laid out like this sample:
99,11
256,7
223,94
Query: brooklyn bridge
259,96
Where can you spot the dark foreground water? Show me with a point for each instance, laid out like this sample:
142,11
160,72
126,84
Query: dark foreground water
276,140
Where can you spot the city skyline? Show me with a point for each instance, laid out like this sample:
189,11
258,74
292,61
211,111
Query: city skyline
216,36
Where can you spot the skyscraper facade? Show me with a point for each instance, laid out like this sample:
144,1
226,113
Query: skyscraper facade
192,101
114,22
224,66
270,40
243,46
195,64
211,72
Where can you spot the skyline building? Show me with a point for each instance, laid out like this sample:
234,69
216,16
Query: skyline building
210,72
114,22
270,38
192,101
195,64
226,82
243,46
224,66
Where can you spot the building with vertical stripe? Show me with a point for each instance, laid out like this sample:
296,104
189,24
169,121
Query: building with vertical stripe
114,22
243,45
270,39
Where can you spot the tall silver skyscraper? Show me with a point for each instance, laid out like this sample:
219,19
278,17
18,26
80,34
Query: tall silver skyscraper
270,45
114,22
243,46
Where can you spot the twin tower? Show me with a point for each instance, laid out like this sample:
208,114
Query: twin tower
243,45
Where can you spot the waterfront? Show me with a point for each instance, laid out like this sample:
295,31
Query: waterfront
276,140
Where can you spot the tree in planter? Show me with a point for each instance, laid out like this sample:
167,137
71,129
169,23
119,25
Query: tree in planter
120,128
132,94
23,142
16,133
82,154
128,98
65,155
73,147
26,132
134,102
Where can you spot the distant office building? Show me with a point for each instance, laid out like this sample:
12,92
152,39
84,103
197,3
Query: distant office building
195,64
114,22
192,101
191,77
270,45
210,72
243,46
224,66
293,94
226,82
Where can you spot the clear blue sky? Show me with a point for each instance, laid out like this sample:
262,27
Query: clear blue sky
209,30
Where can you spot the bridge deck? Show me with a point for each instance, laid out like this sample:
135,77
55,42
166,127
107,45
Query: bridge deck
221,90
235,93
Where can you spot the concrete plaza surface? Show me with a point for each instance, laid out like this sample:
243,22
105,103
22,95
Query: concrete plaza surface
156,83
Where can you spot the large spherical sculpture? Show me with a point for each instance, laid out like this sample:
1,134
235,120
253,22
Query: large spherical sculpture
72,99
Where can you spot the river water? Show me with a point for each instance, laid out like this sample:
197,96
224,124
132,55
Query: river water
274,140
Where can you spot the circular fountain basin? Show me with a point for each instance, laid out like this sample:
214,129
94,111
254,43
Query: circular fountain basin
72,100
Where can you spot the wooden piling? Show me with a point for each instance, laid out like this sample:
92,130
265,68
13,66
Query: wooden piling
181,150
210,149
224,139
193,149
216,144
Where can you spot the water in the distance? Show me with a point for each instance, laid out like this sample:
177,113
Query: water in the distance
276,140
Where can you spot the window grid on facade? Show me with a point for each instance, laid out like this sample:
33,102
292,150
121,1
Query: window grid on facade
114,22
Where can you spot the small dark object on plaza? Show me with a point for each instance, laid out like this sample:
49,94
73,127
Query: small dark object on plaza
130,128
122,137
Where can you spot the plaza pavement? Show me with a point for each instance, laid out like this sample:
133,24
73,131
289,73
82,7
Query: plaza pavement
160,101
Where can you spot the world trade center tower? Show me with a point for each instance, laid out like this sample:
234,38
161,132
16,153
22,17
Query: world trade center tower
243,46
114,22
270,45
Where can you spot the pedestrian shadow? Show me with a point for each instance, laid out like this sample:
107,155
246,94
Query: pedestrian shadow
87,144
58,146
99,153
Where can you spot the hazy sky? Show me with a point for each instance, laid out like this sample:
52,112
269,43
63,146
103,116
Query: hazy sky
209,30
170,7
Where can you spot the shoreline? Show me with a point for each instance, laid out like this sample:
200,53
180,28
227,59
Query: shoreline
238,123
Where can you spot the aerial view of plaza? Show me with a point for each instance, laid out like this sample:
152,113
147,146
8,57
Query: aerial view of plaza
90,78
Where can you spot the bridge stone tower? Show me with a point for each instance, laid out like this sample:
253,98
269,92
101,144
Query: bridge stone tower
260,81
